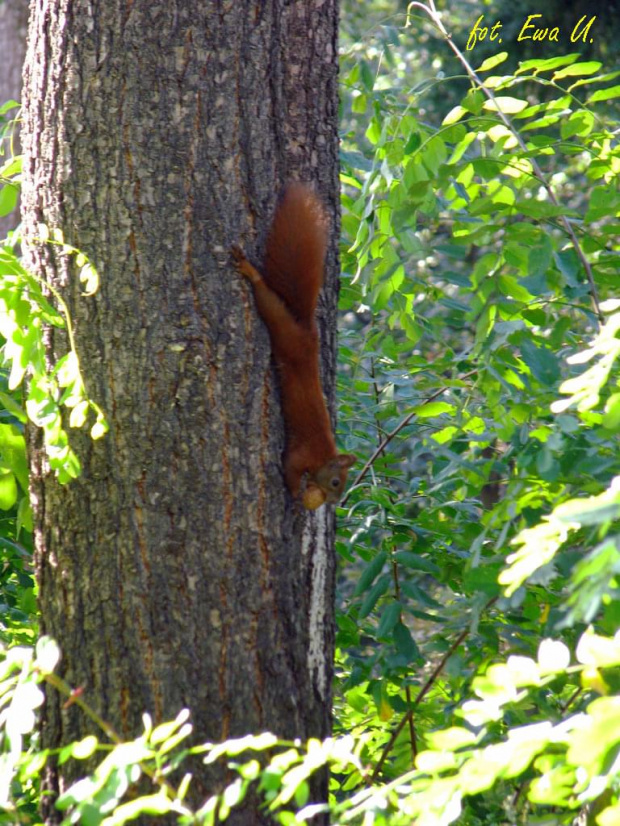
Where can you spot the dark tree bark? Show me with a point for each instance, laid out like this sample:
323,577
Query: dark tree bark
175,571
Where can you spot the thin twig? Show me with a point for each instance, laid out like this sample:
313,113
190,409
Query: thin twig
412,734
422,693
76,699
397,430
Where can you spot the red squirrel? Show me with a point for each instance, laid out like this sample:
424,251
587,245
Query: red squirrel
286,295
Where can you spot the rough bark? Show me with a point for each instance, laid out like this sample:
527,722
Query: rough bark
13,26
175,572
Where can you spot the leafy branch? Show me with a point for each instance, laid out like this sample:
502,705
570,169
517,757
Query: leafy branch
431,11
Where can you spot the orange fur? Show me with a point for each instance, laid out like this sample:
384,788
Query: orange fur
286,296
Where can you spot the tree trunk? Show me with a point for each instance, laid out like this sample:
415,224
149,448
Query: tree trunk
13,26
175,572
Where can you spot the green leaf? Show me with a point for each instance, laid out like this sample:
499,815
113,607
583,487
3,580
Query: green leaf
492,62
151,804
78,414
554,788
389,617
452,738
373,596
250,742
568,264
434,154
507,105
540,257
9,403
595,510
579,123
578,70
547,64
10,104
603,200
83,749
11,167
8,490
510,287
611,419
434,762
426,411
461,147
446,434
542,209
454,115
473,101
13,453
370,573
99,429
67,370
413,143
89,277
9,194
597,736
485,323
24,515
405,644
604,94
373,132
417,562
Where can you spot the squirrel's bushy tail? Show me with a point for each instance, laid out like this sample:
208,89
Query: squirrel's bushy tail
295,251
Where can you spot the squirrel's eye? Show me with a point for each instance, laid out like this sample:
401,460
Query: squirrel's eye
335,482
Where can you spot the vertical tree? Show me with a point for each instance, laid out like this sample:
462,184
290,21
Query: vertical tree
175,572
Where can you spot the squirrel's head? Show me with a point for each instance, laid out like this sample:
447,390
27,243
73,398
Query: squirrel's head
327,484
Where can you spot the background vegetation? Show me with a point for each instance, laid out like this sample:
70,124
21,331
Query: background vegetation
479,607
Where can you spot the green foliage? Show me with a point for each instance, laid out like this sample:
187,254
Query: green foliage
25,311
27,306
479,254
493,741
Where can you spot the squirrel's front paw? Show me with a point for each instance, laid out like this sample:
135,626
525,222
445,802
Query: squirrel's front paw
242,265
238,256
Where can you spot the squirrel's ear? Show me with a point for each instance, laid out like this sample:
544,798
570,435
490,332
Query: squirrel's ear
345,460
